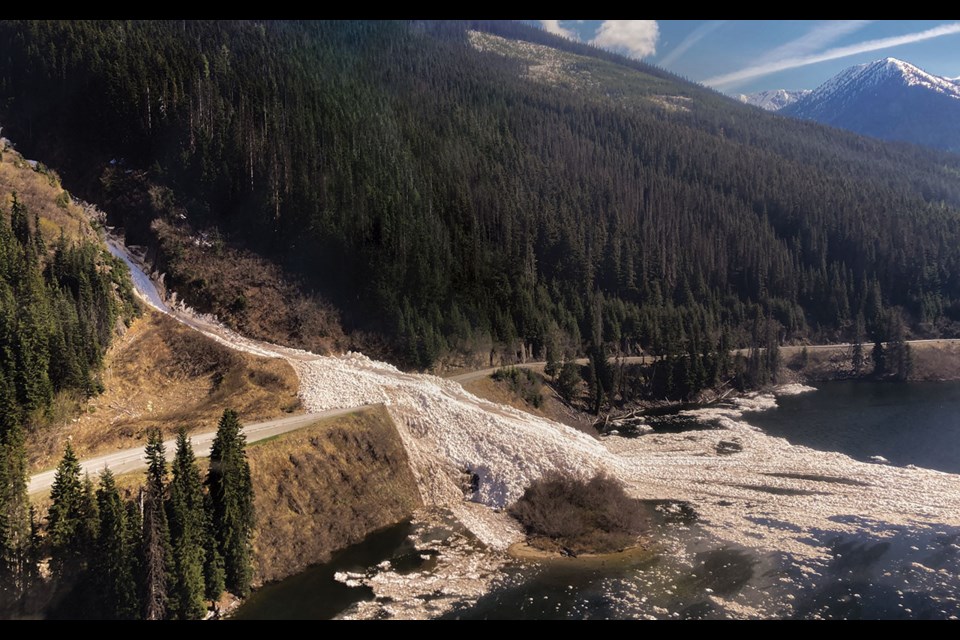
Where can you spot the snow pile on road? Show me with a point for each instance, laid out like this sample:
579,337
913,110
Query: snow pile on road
448,431
770,495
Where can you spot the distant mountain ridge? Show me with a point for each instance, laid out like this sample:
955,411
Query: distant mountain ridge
889,99
774,99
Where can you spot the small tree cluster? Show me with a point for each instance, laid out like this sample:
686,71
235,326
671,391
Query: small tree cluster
164,555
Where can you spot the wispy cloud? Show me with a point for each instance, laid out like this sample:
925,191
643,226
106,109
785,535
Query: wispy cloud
553,26
635,38
756,71
695,36
815,39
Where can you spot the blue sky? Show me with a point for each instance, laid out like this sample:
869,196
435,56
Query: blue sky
743,56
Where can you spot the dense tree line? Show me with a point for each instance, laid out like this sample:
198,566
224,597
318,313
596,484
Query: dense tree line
58,309
447,200
164,554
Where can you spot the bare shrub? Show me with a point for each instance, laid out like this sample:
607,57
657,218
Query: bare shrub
581,516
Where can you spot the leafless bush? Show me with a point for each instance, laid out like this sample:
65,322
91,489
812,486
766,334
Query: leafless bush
579,515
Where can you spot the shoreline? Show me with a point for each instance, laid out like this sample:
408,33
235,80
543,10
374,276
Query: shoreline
642,551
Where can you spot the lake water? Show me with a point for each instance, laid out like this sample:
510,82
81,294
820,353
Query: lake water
912,423
885,572
315,593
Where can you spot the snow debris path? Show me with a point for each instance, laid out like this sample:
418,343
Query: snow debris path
770,495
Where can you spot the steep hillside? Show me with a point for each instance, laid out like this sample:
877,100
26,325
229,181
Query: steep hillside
63,297
482,189
38,189
63,300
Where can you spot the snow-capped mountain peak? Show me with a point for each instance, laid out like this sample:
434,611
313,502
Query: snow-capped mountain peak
871,74
890,99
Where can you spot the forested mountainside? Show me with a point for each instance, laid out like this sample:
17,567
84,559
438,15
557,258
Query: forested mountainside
61,298
449,186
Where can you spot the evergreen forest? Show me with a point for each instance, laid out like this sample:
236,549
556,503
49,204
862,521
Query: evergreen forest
423,179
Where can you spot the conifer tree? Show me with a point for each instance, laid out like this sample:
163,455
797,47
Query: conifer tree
231,493
15,524
9,409
156,557
116,587
857,359
188,532
772,351
879,357
134,531
65,515
38,245
89,530
18,222
568,381
214,573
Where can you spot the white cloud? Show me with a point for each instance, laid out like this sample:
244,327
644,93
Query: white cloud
755,71
636,38
553,26
695,36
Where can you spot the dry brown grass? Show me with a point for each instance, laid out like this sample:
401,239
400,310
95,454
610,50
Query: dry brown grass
938,360
163,374
325,487
935,361
39,192
822,364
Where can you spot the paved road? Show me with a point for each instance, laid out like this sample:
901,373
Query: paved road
538,366
133,459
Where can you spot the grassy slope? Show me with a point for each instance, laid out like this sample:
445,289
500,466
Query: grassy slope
934,361
39,191
552,407
163,374
158,373
249,293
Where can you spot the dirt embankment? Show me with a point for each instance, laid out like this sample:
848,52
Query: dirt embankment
325,487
